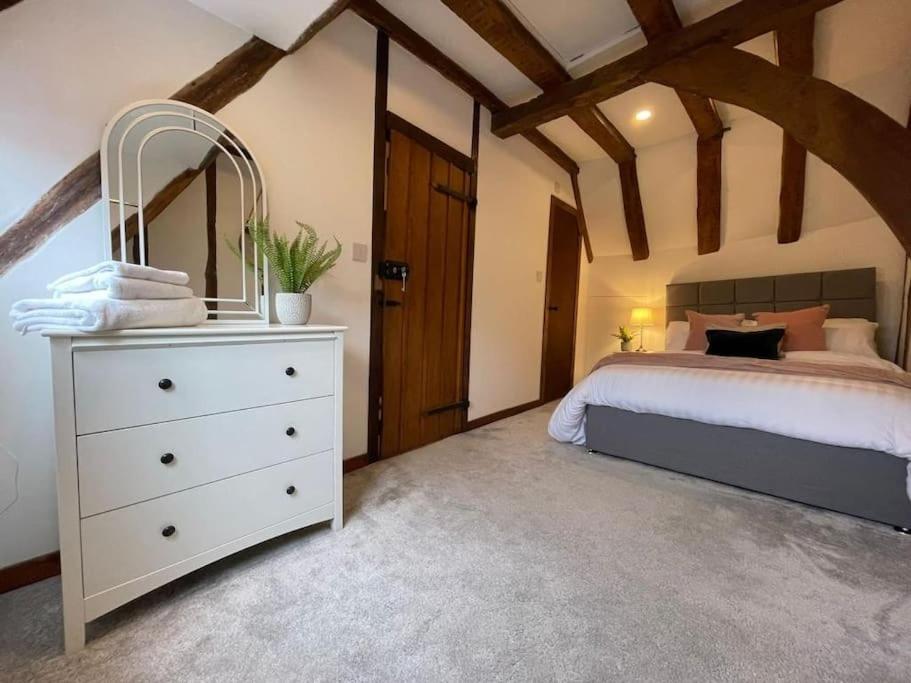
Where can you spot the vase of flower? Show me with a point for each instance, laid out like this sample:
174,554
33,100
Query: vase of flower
626,337
297,265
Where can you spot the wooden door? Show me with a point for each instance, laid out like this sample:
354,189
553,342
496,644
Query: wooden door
423,395
561,294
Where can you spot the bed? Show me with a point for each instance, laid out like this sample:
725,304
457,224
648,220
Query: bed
833,443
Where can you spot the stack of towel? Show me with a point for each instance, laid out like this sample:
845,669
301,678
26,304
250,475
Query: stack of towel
112,296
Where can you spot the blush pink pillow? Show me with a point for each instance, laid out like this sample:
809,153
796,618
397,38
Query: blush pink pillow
698,324
804,332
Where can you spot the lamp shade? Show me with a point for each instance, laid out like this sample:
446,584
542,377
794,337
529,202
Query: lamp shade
641,317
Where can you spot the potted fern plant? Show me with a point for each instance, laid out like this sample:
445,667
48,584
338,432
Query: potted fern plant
297,264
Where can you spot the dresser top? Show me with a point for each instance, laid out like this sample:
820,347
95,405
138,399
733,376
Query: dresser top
205,330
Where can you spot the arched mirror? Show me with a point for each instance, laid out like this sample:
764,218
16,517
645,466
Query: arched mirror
179,188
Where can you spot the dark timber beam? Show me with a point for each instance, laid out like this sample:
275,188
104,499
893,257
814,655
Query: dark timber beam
80,189
794,44
736,24
868,147
377,15
499,27
658,19
580,218
6,4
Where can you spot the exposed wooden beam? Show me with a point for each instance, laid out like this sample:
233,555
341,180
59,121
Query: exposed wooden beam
580,217
794,44
869,148
319,24
79,189
211,272
496,24
6,4
708,194
658,19
632,210
374,13
736,24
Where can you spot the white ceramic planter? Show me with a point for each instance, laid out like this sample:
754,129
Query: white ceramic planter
292,308
626,346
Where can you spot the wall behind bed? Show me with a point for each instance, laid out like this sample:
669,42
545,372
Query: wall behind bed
860,46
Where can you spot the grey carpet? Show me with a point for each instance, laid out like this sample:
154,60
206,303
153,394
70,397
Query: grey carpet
501,555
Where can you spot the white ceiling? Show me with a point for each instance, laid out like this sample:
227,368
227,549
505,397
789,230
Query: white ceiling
279,22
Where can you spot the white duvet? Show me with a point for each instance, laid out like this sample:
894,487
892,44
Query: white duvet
832,411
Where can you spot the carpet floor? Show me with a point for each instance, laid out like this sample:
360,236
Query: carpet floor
501,555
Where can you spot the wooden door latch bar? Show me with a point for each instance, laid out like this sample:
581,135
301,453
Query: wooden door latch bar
455,194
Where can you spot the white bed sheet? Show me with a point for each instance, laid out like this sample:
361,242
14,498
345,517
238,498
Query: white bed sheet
831,411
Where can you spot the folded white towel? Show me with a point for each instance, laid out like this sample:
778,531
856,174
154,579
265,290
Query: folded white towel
117,287
131,270
93,314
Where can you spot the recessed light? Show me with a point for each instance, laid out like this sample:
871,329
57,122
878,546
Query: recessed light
644,115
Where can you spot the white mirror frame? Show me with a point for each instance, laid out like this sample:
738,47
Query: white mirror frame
261,304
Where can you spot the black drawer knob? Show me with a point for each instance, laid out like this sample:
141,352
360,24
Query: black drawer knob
167,458
168,531
290,372
290,490
290,431
165,384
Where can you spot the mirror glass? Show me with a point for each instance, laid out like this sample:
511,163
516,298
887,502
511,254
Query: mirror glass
180,188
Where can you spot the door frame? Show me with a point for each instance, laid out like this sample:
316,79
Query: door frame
557,204
385,121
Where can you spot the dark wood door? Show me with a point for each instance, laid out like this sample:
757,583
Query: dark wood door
424,318
561,294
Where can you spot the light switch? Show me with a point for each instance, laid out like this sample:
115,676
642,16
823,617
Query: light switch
359,252
539,276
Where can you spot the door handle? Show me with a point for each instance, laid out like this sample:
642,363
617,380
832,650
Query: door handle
553,308
391,302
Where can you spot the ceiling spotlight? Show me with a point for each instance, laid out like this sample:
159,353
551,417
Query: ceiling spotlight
644,115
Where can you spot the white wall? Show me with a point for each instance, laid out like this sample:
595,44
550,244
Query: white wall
310,123
861,45
66,68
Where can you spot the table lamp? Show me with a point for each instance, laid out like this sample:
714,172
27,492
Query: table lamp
643,318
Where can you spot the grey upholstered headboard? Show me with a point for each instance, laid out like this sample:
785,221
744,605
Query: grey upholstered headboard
850,293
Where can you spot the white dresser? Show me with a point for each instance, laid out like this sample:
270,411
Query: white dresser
177,447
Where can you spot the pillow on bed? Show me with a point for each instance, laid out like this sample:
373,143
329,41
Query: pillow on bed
746,342
696,340
851,335
804,331
676,335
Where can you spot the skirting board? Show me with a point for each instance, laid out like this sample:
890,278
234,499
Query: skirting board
30,571
502,414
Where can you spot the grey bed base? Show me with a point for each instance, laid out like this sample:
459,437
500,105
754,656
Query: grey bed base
854,481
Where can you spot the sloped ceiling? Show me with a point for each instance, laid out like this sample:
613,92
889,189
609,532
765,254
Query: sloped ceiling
279,22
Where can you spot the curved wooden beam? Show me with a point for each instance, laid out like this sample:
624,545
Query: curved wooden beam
869,148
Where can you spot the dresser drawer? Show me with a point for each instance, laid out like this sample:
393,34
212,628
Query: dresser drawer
118,388
128,543
128,466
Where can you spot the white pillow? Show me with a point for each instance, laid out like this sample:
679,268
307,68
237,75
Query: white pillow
676,335
851,335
